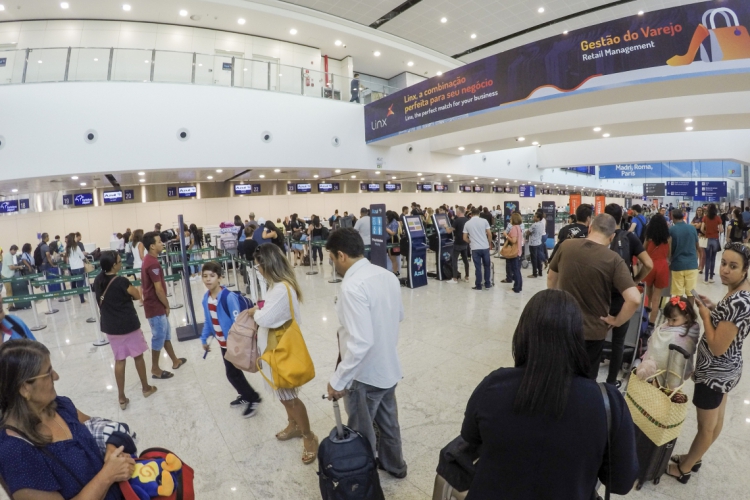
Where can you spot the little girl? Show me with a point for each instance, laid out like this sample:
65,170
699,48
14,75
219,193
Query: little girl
681,329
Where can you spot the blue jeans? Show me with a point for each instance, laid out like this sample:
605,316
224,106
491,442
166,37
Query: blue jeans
317,250
537,258
481,258
712,248
160,331
515,268
78,284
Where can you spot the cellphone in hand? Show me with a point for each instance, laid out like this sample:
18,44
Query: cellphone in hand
698,298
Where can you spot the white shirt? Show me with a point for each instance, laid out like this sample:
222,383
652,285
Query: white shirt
75,258
369,309
363,228
477,228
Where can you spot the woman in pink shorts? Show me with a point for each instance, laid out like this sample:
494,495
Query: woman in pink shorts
115,296
658,247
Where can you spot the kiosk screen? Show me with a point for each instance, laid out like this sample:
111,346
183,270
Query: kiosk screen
415,226
443,222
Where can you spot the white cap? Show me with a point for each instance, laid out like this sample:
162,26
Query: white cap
261,221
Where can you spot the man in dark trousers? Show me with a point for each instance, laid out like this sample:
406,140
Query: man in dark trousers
355,89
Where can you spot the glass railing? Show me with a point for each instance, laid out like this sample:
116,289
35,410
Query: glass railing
77,64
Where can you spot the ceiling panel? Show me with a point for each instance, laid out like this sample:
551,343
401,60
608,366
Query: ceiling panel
360,11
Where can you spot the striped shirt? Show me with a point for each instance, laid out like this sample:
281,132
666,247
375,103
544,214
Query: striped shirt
212,304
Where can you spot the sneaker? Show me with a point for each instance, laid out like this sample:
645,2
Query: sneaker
397,476
238,403
452,282
476,288
532,276
251,409
711,280
487,287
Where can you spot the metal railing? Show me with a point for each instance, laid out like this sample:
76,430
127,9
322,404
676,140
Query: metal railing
101,64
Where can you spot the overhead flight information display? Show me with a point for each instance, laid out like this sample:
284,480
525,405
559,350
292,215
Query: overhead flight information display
651,189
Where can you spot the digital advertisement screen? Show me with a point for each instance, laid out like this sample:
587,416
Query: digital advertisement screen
304,188
466,189
508,189
440,188
112,196
187,192
83,199
373,187
8,207
393,187
479,189
424,187
363,186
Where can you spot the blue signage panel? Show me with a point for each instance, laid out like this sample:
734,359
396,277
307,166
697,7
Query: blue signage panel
680,188
378,236
291,187
83,199
373,187
67,200
527,191
424,187
393,187
129,195
187,191
171,192
325,187
3,61
671,170
246,189
8,207
226,66
711,189
23,204
304,188
112,196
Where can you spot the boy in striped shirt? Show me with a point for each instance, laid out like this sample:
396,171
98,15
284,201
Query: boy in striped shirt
220,308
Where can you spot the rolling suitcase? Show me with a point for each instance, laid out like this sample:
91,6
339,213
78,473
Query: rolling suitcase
653,460
346,465
444,491
20,288
457,464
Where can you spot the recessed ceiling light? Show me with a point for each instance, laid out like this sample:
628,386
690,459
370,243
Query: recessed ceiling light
472,182
315,176
496,179
40,62
183,13
420,173
141,173
377,173
147,61
443,20
605,135
640,12
448,176
262,176
83,184
688,128
241,21
14,190
95,59
218,170
492,182
337,43
439,73
688,120
354,176
75,177
126,7
410,63
376,53
473,35
210,177
64,5
540,10
461,148
535,143
521,139
277,170
393,177
476,177
565,32
338,171
515,181
477,150
292,31
2,7
421,178
141,180
507,183
597,129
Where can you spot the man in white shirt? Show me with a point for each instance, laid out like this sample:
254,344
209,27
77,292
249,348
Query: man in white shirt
369,309
478,235
363,228
534,234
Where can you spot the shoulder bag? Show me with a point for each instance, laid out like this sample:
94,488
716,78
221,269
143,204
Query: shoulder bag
287,355
608,412
242,343
101,299
509,250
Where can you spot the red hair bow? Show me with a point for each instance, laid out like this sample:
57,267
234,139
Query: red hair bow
676,301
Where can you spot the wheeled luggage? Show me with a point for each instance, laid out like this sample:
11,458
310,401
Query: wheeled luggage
444,491
653,459
18,289
346,465
455,470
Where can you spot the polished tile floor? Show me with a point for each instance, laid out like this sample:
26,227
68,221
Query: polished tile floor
451,339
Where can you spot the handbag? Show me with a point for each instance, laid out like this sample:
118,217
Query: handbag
287,355
242,343
88,267
101,299
509,250
653,410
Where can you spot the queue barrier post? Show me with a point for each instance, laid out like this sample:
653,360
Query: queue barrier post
38,326
311,272
334,278
94,310
172,295
234,270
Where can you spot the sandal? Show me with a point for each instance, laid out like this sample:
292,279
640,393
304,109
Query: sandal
124,405
683,477
309,457
182,362
149,392
677,458
291,432
164,375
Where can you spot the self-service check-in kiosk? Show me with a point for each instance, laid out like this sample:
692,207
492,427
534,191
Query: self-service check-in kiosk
416,252
444,250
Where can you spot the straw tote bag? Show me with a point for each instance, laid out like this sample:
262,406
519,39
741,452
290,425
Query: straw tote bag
653,410
287,355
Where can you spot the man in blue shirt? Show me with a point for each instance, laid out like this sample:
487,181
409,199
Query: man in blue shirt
746,220
685,250
13,328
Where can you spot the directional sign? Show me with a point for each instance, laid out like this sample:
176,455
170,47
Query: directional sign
654,189
711,188
680,188
527,191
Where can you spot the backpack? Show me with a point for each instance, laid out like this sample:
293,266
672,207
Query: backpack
324,233
621,246
244,302
38,256
640,227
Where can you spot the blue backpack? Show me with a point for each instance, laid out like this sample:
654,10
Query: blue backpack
640,224
244,302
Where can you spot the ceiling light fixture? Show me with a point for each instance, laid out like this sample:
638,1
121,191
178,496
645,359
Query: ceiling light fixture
141,180
439,73
241,21
688,128
2,7
277,170
337,43
64,5
448,176
83,184
210,177
218,170
183,13
540,10
476,178
688,120
473,35
139,173
597,129
75,177
410,63
315,176
472,182
262,176
640,12
443,20
95,59
605,135
521,139
497,179
14,190
477,150
354,176
376,53
565,32
39,61
292,31
338,171
393,177
420,173
126,7
535,143
461,148
421,178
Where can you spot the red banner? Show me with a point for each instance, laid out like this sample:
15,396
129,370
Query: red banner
599,204
575,202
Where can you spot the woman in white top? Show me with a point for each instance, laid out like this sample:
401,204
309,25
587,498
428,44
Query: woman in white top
277,271
138,254
74,257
